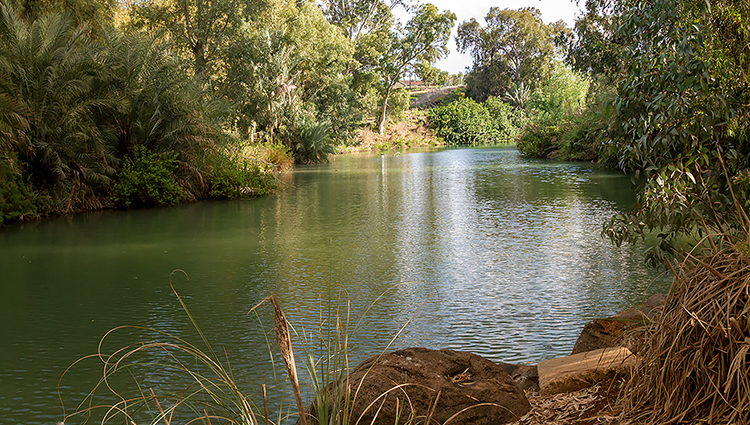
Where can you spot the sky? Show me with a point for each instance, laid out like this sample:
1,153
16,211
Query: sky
552,11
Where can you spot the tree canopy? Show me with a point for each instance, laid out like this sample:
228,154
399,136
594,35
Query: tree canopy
683,104
515,47
424,39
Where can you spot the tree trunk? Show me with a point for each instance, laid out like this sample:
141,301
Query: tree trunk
381,121
199,53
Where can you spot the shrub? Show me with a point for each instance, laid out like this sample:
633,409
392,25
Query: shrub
233,177
464,122
540,140
148,180
507,119
311,141
16,201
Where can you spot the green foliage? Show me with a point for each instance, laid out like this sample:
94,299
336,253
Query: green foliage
562,94
311,141
148,180
683,106
566,123
514,47
17,201
508,120
238,178
398,104
51,71
200,29
425,39
594,135
598,46
540,139
465,122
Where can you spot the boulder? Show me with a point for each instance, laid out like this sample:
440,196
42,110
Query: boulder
525,376
463,387
572,373
612,331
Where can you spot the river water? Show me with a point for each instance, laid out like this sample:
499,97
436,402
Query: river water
471,249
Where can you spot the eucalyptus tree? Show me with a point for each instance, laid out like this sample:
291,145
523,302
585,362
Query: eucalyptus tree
424,39
598,46
514,47
201,29
684,103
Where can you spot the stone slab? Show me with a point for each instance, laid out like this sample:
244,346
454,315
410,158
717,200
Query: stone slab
572,373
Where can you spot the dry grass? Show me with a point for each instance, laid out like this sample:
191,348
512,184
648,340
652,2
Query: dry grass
593,405
411,132
694,359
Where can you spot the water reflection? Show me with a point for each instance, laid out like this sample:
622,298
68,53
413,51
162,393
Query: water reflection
481,249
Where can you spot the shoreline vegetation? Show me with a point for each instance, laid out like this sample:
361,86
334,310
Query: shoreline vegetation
104,105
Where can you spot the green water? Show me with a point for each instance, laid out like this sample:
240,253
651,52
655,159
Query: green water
490,253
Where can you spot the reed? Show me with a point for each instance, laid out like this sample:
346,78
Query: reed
695,359
212,395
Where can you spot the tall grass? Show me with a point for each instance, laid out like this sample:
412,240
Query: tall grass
207,391
695,359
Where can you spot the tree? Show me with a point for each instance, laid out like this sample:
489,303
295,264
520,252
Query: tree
683,105
515,47
202,29
95,13
598,46
51,71
425,38
430,75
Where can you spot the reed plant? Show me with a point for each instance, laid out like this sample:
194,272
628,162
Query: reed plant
695,359
211,394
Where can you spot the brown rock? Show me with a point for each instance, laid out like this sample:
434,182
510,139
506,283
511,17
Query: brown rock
612,331
525,376
654,305
601,333
572,373
463,387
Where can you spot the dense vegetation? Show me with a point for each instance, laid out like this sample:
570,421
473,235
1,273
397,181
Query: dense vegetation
658,89
122,104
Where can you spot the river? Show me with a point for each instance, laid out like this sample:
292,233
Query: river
476,249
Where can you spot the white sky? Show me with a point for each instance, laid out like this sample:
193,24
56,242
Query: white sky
552,11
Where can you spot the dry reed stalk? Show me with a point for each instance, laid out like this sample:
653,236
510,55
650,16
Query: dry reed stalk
265,405
284,341
695,362
158,405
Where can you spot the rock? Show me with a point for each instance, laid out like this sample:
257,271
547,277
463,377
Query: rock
468,388
612,331
525,376
600,333
654,305
572,373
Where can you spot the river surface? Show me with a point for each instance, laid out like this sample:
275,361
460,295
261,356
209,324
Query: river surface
469,249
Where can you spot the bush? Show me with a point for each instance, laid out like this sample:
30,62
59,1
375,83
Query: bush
541,140
464,122
576,136
508,120
148,180
233,178
16,201
310,141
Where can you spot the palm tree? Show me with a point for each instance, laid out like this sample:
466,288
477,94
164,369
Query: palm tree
166,112
51,68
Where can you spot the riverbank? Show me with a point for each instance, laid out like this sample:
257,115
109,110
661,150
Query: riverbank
410,132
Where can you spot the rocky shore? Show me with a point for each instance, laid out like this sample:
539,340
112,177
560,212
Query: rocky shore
447,386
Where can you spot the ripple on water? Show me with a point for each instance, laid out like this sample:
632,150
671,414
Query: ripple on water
476,249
